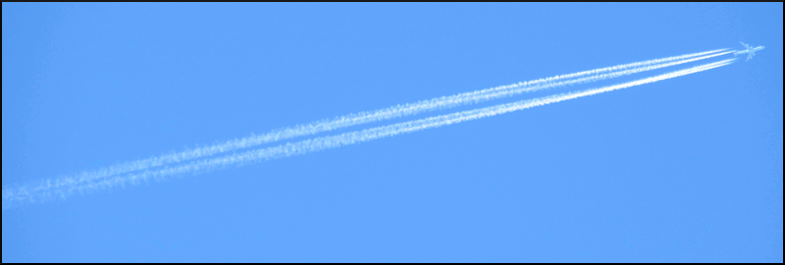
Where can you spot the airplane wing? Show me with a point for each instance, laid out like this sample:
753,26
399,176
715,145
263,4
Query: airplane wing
745,45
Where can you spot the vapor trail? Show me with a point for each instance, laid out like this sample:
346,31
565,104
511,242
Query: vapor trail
393,112
327,142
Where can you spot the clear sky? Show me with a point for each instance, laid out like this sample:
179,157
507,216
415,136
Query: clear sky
686,169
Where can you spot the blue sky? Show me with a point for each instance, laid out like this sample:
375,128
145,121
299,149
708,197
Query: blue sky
686,169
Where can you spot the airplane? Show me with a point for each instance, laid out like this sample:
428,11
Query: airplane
750,51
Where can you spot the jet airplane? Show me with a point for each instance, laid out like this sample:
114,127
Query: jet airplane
750,51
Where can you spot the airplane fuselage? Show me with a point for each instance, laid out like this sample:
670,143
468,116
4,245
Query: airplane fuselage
752,50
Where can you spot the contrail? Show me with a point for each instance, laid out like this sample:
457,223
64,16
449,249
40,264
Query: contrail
395,112
321,143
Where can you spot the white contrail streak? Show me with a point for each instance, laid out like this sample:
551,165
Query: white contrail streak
327,142
395,112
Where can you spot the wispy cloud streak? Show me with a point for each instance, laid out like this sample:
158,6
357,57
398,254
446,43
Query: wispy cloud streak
65,188
390,113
